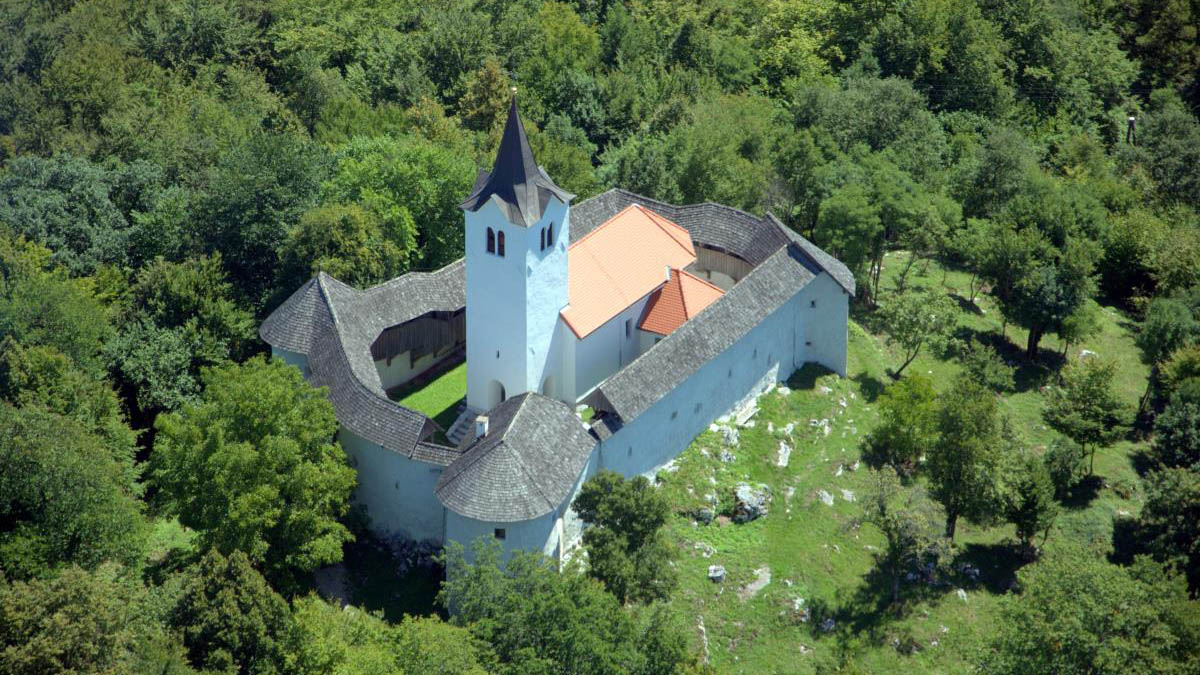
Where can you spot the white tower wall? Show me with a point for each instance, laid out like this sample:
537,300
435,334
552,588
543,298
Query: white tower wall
513,305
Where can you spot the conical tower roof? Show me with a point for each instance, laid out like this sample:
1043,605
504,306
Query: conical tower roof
522,186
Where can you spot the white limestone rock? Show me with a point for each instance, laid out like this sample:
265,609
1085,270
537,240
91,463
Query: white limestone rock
785,452
716,573
825,497
751,502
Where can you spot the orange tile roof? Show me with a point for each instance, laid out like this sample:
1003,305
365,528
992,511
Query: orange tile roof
681,298
618,263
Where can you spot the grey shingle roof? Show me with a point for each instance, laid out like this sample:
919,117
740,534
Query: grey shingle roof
516,180
525,466
334,326
290,326
746,236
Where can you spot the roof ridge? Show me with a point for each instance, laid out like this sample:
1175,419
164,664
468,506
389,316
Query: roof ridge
521,460
599,227
663,222
706,282
328,301
682,296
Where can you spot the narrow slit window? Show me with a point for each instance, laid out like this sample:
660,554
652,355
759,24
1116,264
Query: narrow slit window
550,235
628,328
500,244
491,240
542,239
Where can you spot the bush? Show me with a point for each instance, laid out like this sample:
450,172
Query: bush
1063,460
985,365
1177,434
907,424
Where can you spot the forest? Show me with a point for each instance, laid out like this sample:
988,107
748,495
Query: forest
1015,184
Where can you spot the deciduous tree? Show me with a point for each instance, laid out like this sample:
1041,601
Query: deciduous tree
1085,408
914,319
253,467
627,551
908,417
1170,520
906,519
1077,613
63,497
964,463
230,618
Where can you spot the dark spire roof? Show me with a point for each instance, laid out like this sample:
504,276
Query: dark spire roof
516,179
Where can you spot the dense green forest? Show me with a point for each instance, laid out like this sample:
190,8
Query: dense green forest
173,169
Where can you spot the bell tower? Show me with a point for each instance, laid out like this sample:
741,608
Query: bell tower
517,227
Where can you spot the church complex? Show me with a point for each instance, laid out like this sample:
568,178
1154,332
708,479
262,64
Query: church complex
655,319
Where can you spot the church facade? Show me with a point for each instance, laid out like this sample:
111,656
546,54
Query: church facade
656,319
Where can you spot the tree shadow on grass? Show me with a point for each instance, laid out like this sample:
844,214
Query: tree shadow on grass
378,578
870,611
870,386
965,304
1027,374
1083,492
1142,460
991,567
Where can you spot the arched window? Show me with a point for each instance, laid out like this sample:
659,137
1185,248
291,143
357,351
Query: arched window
491,241
500,244
550,235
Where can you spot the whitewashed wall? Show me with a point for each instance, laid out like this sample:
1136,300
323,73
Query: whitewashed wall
513,303
606,350
292,359
770,352
397,491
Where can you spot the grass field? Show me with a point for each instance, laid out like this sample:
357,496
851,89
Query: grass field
439,398
817,552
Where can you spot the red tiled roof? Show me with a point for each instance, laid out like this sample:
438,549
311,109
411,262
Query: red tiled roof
620,262
681,298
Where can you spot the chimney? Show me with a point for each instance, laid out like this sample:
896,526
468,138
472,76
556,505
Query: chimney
481,426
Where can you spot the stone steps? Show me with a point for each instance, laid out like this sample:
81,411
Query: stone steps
463,425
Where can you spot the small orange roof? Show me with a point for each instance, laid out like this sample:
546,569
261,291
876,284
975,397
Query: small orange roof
618,263
681,298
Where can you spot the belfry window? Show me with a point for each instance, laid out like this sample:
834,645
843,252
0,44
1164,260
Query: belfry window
491,241
500,244
542,239
550,235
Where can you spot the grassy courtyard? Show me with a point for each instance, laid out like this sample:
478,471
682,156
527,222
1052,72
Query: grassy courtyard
819,553
438,398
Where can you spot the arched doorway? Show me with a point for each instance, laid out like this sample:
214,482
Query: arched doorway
496,394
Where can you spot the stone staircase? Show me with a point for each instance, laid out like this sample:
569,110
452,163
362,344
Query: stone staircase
464,425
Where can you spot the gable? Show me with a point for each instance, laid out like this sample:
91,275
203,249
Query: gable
619,263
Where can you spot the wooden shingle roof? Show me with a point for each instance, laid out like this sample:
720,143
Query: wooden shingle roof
526,465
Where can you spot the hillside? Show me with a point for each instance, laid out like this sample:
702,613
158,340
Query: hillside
815,552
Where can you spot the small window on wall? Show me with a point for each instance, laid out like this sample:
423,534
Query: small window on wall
550,235
812,303
628,327
500,533
500,244
542,239
491,240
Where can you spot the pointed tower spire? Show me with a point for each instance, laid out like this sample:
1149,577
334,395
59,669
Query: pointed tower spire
516,180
